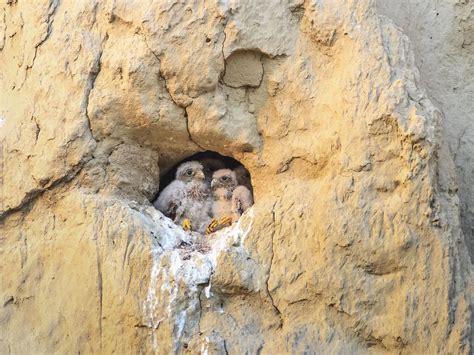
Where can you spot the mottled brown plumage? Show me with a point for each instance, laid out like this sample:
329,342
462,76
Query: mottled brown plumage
187,197
223,184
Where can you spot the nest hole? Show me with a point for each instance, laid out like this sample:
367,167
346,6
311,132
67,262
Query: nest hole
219,184
214,162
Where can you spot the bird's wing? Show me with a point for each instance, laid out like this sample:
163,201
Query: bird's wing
170,199
172,210
241,199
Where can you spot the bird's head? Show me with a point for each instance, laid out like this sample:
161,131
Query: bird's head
243,175
223,178
190,171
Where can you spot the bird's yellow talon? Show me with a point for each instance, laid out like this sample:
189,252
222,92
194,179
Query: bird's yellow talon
225,221
187,224
212,226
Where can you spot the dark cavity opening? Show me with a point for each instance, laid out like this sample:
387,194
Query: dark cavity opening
214,160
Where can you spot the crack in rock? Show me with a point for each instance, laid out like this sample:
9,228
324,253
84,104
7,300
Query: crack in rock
160,73
35,193
53,6
93,73
270,268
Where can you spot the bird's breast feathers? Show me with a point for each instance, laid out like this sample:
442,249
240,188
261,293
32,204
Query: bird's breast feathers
198,192
222,193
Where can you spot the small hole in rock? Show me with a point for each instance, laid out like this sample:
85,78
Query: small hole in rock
205,192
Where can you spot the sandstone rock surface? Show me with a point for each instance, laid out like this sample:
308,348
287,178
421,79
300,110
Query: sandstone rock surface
442,36
355,242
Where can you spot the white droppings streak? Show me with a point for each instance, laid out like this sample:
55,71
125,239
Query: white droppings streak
181,321
234,235
205,346
169,270
166,236
151,302
207,290
250,216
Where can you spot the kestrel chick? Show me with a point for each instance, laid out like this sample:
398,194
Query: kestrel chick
186,199
210,166
243,177
223,183
242,200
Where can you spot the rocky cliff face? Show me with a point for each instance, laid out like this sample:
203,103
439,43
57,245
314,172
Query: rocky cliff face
354,243
442,35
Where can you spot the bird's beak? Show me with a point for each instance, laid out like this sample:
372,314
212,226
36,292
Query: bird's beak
200,175
213,182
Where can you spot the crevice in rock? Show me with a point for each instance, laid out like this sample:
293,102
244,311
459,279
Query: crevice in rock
146,326
53,6
459,141
298,301
31,196
298,9
225,347
93,73
200,331
5,28
186,116
372,341
37,128
270,268
185,113
160,73
222,50
10,300
162,77
263,72
125,256
360,331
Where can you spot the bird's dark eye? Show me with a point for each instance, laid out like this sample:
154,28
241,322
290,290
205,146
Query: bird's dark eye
225,178
189,172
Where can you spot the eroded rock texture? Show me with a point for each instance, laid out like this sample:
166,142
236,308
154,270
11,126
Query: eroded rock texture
442,35
354,243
